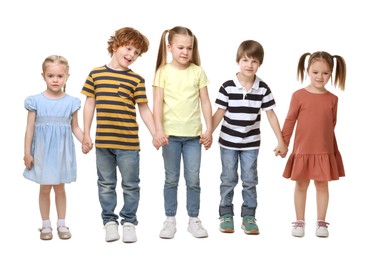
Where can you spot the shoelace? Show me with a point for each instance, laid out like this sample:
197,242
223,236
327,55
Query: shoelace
298,224
227,219
251,221
168,224
322,224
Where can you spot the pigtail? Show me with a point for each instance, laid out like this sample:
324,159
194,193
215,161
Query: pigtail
301,67
340,72
196,56
162,52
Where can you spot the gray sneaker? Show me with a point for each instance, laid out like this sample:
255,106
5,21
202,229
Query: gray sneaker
112,233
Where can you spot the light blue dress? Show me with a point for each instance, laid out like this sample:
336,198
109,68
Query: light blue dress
53,146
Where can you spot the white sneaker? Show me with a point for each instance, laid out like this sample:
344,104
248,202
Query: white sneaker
128,233
298,228
168,229
196,229
112,233
322,230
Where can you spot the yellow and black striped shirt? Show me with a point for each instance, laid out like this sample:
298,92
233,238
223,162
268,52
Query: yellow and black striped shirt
116,93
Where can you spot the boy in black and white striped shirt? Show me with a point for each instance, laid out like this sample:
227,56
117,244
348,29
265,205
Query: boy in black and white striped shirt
240,102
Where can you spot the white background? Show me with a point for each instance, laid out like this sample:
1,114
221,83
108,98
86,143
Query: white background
79,30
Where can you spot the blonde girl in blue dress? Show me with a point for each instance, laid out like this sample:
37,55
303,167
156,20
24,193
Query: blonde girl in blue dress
49,150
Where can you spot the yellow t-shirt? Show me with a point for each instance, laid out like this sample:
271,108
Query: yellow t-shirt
181,107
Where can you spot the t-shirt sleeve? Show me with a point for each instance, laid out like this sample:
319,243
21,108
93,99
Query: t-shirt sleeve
159,80
204,81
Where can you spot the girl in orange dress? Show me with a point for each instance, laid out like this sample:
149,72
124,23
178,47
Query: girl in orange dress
315,155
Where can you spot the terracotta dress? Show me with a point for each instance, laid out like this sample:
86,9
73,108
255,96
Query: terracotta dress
315,155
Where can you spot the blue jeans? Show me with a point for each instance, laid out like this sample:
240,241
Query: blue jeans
127,162
229,179
189,149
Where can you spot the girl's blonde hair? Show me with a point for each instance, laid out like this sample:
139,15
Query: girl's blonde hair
340,66
162,51
57,59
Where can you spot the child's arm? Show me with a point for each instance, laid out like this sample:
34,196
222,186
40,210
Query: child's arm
89,109
77,131
158,99
28,158
206,137
281,148
147,117
217,117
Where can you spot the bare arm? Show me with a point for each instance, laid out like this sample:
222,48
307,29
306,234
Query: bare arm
147,117
78,133
217,117
206,137
158,99
281,148
76,130
30,129
88,114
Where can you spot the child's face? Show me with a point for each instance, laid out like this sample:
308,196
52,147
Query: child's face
248,66
181,49
55,76
126,55
319,73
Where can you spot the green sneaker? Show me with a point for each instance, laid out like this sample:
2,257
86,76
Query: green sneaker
249,225
226,223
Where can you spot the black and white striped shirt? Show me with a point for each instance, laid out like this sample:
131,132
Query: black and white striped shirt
240,129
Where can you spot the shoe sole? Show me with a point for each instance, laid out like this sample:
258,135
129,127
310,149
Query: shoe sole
129,240
46,237
64,235
112,239
227,230
167,237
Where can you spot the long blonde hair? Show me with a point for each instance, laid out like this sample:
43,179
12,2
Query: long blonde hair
162,50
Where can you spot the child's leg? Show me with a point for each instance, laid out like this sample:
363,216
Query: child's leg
60,200
61,205
322,195
44,201
44,205
300,197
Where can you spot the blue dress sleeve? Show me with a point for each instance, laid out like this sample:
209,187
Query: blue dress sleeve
76,104
30,103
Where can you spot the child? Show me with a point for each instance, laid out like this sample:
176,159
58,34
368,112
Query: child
179,88
315,154
114,90
240,101
49,149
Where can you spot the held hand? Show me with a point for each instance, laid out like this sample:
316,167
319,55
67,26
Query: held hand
159,140
281,150
87,144
206,140
156,144
86,148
